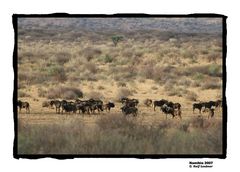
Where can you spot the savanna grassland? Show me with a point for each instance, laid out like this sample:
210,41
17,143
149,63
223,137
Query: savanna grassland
60,59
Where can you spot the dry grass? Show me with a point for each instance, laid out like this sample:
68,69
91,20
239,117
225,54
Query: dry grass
116,134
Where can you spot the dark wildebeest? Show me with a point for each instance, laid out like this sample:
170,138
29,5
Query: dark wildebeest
159,103
168,110
81,106
129,110
209,105
68,107
129,102
96,105
57,105
25,105
219,103
177,106
211,113
198,106
109,105
123,100
148,102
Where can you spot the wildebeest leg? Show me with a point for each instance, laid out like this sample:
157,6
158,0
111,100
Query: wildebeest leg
180,114
154,106
28,109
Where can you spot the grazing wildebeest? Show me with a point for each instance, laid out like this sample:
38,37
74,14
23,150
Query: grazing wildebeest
219,103
198,106
68,107
209,105
159,103
81,106
96,105
109,105
129,110
123,100
25,105
168,110
57,105
177,106
129,102
148,102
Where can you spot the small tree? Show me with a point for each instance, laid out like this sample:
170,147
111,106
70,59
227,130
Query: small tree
116,39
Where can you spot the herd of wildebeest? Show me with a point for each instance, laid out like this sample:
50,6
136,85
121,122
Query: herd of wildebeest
129,106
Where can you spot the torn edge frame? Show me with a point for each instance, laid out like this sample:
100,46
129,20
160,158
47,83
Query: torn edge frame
139,156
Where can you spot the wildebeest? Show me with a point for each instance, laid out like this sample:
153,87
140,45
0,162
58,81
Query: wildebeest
197,106
172,108
57,104
177,106
159,103
168,110
219,103
95,105
129,102
25,105
209,105
89,106
148,102
81,106
109,105
129,110
69,107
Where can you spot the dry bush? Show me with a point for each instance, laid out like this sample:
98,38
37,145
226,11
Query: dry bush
148,71
42,92
22,94
127,53
100,87
191,96
154,88
57,73
211,85
211,70
123,92
21,85
64,93
213,56
184,81
121,84
115,121
90,53
91,67
95,95
62,57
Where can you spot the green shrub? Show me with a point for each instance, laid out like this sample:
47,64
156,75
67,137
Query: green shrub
215,70
108,59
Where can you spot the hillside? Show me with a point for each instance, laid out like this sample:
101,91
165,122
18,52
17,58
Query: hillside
179,25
